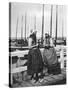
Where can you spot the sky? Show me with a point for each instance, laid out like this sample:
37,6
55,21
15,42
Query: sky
32,11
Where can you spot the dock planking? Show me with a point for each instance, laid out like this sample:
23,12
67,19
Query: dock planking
47,80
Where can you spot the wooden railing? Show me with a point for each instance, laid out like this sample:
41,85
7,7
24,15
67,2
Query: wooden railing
61,51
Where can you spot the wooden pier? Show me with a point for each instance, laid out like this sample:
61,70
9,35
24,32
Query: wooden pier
48,79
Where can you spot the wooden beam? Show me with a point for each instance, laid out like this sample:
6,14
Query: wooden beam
19,69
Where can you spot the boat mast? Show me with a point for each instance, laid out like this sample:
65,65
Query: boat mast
62,26
51,21
62,29
56,23
42,23
16,29
35,23
10,21
25,26
22,32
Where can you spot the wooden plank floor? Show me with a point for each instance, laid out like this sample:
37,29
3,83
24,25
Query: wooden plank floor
47,80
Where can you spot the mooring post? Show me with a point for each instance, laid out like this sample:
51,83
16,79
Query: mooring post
62,58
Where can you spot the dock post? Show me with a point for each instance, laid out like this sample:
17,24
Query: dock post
62,58
11,74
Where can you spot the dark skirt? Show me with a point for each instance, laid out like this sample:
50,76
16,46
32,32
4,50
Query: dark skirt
35,61
54,69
